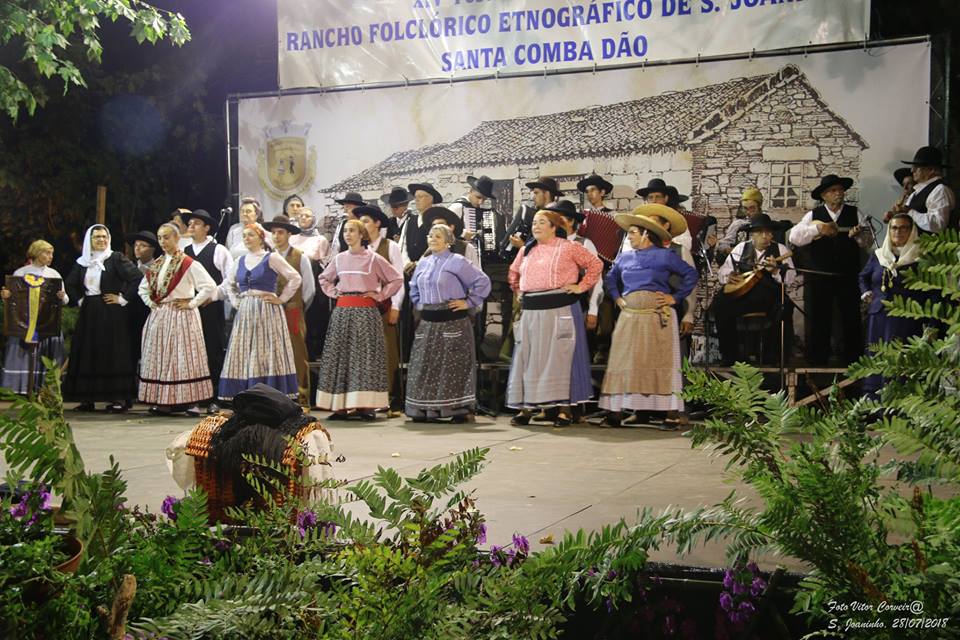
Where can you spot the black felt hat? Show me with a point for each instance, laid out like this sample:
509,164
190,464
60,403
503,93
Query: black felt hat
567,209
547,184
431,214
657,185
281,221
762,221
375,213
483,185
351,197
900,174
927,157
596,181
674,197
145,236
830,181
201,214
397,196
413,187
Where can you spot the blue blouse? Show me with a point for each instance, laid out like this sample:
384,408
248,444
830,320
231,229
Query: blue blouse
446,276
649,270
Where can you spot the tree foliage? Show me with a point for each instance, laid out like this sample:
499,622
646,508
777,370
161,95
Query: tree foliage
49,35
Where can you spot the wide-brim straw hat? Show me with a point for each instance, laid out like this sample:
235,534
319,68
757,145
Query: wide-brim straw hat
627,220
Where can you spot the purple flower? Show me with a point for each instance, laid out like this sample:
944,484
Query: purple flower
329,529
609,604
728,579
521,544
736,618
726,601
20,509
167,508
753,568
611,574
482,534
306,520
747,609
495,556
222,544
757,587
44,499
206,561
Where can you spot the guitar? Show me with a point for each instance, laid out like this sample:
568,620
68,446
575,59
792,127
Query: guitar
750,280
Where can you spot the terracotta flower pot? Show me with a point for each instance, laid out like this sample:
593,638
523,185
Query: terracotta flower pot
73,548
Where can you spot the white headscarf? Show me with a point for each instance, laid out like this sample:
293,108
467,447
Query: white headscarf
312,230
90,258
891,257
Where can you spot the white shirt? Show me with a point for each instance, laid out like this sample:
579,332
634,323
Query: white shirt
222,260
728,266
307,287
806,231
940,203
195,284
596,293
315,247
396,259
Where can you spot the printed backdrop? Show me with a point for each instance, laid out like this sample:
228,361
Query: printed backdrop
348,42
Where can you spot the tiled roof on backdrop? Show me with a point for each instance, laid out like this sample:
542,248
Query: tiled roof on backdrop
664,122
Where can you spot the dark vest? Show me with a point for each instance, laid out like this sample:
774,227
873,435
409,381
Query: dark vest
918,201
839,254
459,247
748,257
206,260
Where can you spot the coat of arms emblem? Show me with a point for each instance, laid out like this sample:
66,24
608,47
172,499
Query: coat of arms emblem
285,167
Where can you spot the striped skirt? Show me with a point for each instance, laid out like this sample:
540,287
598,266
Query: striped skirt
441,378
16,362
353,368
551,360
173,359
259,351
643,372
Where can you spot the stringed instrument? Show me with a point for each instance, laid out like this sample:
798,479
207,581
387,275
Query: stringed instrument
750,279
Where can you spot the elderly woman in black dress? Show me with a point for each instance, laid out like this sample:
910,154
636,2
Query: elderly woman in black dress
102,366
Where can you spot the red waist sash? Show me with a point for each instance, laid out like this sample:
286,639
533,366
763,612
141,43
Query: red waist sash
356,301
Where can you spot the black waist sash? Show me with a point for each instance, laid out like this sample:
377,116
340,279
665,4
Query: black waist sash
548,301
442,315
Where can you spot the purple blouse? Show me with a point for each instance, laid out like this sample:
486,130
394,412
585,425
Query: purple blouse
440,278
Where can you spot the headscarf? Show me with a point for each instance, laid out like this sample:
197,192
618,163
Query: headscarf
312,230
891,257
90,258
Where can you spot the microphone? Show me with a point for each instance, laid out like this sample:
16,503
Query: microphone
226,211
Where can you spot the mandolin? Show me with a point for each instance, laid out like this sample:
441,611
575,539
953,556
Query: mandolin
750,280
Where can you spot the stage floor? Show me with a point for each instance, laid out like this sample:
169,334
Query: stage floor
539,480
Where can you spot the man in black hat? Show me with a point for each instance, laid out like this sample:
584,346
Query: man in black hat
350,201
828,235
405,222
761,254
374,219
573,219
543,191
176,217
448,218
146,249
931,203
470,207
296,307
217,262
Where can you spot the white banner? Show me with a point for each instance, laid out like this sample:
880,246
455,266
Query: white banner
351,42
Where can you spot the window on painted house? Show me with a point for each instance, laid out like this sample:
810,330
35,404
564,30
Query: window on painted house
786,184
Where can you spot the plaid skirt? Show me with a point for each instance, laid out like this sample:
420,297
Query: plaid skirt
173,358
441,378
259,351
643,372
353,367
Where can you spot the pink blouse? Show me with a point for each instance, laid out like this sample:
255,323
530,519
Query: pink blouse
359,272
553,264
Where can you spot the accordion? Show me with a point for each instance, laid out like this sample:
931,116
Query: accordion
32,312
489,227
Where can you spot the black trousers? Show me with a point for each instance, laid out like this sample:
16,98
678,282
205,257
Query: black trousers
826,295
214,339
765,298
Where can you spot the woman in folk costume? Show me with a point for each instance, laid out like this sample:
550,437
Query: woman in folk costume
101,366
445,288
551,361
882,279
260,349
353,369
16,363
309,241
173,369
643,373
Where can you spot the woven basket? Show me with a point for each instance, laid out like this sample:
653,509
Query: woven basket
219,489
